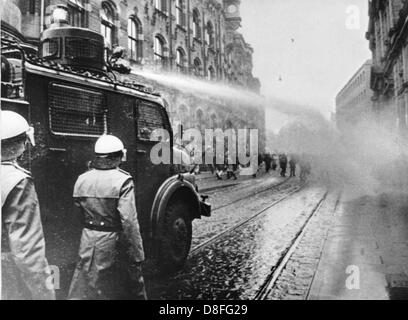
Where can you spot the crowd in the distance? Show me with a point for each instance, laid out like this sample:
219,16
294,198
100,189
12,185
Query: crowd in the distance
196,162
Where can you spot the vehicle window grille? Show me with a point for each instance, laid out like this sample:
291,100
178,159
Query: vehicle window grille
83,48
50,48
77,112
150,118
16,70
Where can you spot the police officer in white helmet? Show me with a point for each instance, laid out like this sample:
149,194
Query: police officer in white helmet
25,270
111,249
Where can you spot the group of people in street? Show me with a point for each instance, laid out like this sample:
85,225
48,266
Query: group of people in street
283,164
111,248
230,170
269,161
228,167
275,161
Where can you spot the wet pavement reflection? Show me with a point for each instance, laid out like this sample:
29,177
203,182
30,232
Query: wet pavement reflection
236,266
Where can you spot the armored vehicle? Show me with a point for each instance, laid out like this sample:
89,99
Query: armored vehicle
71,96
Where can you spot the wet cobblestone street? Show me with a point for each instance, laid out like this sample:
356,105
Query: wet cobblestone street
229,205
236,265
296,278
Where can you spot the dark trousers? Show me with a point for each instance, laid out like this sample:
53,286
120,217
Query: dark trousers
283,170
293,171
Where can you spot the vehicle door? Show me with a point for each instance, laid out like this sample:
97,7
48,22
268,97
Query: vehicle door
150,116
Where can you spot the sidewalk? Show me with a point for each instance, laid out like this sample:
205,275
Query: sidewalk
365,255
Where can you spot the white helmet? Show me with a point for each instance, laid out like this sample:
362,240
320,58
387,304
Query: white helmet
14,125
107,144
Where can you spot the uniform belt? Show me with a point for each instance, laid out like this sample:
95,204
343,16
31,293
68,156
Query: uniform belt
102,228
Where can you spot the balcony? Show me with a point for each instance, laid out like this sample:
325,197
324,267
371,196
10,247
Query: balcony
377,78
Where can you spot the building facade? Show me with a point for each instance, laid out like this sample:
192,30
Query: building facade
192,38
388,35
353,102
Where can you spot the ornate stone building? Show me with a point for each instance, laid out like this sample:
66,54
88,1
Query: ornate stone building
388,35
353,102
195,38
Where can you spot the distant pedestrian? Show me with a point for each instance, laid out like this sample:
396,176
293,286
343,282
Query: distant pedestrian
208,152
231,167
219,172
260,162
196,159
274,162
292,165
305,169
283,163
268,162
219,165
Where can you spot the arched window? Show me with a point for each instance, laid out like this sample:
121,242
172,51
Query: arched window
159,57
180,16
77,16
213,120
161,5
107,14
134,43
200,118
211,74
196,24
184,115
210,34
180,60
197,67
228,124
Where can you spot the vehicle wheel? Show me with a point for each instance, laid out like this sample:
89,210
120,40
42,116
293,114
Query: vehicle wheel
175,232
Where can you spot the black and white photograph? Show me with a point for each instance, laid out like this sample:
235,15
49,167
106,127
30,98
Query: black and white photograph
204,150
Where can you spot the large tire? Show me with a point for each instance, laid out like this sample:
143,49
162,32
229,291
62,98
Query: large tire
175,233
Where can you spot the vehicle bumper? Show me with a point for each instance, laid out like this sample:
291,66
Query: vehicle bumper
205,209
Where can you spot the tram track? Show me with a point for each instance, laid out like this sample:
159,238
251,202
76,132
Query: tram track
277,269
237,186
246,221
253,194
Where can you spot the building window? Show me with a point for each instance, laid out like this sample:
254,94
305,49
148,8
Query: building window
210,34
197,67
180,16
180,60
200,118
107,22
76,10
31,7
184,116
159,57
213,121
196,24
211,74
134,43
161,5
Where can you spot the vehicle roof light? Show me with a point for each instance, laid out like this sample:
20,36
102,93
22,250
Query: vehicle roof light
60,15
